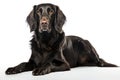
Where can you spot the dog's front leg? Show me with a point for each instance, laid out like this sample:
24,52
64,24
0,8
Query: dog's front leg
25,66
47,68
56,63
60,63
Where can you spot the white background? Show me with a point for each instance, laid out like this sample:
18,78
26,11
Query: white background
95,20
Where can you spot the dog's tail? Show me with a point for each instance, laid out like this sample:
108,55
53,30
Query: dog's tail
103,63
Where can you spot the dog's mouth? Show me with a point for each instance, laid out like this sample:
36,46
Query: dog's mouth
44,28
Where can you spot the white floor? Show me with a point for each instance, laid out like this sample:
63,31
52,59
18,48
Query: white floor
80,73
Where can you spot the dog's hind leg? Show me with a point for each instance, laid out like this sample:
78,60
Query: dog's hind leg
100,62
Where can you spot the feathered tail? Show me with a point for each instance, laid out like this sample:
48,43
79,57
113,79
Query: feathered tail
103,63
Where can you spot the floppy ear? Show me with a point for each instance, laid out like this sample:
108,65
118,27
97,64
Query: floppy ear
59,19
31,20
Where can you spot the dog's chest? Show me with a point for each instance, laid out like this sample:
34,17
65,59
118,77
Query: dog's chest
41,57
45,55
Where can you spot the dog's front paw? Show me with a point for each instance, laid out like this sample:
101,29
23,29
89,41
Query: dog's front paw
13,70
41,71
10,71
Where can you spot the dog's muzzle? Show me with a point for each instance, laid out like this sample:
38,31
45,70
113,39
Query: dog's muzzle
44,25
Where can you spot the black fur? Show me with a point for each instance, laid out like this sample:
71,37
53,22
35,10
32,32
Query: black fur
51,49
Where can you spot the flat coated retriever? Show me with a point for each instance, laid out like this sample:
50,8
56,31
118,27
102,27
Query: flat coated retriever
51,49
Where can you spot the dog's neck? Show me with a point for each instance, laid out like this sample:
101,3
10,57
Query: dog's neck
48,41
44,37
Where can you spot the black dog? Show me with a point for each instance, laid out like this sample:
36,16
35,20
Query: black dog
51,49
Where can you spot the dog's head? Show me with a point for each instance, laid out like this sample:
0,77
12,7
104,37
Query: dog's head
45,17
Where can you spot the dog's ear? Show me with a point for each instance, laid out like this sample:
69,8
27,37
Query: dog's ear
59,19
31,19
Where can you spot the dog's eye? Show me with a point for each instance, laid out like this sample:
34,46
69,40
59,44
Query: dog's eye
50,11
39,11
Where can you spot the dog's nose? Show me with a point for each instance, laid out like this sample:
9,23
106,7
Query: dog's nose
44,20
